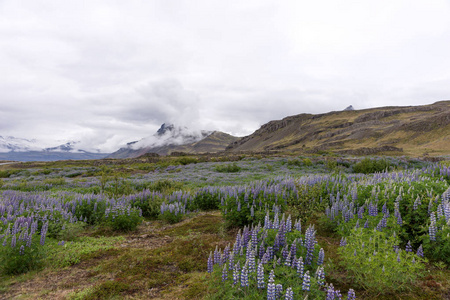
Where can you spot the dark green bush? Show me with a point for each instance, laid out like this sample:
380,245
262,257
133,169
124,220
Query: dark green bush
149,203
91,211
13,262
123,221
229,168
368,166
187,160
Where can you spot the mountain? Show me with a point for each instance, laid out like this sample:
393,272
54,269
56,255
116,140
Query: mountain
415,130
18,149
169,139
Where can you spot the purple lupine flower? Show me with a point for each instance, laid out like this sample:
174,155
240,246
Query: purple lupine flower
210,262
289,294
310,241
432,228
343,242
260,276
236,274
22,250
224,273
351,294
13,241
306,281
399,219
321,257
293,250
278,290
262,250
271,292
366,224
244,276
398,257
287,262
337,294
43,233
289,224
330,292
320,274
217,257
408,247
251,262
285,252
300,267
420,251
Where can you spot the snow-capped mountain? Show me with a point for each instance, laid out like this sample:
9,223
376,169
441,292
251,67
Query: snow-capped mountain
10,143
169,134
12,148
171,138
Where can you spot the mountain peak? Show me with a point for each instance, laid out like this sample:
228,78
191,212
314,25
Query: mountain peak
164,128
349,108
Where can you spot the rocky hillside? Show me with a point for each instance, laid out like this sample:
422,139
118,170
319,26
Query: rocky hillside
414,130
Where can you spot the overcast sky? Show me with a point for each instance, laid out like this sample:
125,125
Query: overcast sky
110,72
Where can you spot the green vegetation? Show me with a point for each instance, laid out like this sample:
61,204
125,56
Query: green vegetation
146,229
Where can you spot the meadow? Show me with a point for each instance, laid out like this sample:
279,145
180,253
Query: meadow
243,227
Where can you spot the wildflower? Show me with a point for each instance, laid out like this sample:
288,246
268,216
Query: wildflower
306,281
235,275
408,247
278,290
260,276
300,266
210,263
366,225
244,276
271,293
330,292
224,273
321,257
320,274
289,294
351,294
420,251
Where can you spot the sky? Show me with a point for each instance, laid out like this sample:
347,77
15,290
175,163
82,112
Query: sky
105,73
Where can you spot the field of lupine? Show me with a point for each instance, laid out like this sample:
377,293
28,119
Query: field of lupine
255,228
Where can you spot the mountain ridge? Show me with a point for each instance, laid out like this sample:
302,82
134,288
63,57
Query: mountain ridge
408,129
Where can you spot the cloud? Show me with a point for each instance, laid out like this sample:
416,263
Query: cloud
105,73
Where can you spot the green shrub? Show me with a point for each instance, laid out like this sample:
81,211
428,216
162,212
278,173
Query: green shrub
164,186
90,211
204,199
307,162
171,217
8,173
294,162
54,181
438,250
229,168
368,166
14,261
373,263
187,160
149,203
123,218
